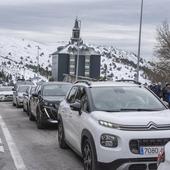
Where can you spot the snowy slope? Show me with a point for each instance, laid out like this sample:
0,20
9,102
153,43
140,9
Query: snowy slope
119,64
15,53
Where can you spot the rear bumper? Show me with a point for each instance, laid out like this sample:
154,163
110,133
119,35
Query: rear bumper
130,164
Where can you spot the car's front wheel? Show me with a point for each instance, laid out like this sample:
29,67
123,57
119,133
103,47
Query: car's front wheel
40,124
61,136
17,105
31,117
89,156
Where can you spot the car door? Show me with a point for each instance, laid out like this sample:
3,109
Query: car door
35,101
77,117
25,98
67,114
32,101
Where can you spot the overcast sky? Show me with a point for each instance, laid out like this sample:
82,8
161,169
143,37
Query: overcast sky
105,22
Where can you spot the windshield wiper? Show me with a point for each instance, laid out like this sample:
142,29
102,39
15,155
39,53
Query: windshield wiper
139,109
115,110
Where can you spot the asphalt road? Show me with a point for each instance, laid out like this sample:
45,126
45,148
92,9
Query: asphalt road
24,147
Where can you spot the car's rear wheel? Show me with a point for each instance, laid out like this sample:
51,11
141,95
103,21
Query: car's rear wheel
61,136
89,155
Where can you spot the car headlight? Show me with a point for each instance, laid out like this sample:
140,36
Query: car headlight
108,124
109,141
48,104
45,103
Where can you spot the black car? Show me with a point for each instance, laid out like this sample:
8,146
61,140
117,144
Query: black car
46,102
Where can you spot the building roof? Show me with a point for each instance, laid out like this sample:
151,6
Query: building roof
72,49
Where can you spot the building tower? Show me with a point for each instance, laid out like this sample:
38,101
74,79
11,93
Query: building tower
76,32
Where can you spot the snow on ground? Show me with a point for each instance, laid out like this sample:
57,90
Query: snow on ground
15,53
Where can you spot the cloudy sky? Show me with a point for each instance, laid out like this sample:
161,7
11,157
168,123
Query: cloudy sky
105,22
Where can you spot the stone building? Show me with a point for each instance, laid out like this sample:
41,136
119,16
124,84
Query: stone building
64,60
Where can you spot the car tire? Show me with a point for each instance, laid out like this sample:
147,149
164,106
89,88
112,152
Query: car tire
89,155
31,117
27,111
17,106
24,108
61,136
40,124
13,104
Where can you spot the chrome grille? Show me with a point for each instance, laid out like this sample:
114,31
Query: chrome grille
135,144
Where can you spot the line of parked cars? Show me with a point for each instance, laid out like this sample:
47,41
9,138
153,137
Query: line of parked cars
41,102
111,125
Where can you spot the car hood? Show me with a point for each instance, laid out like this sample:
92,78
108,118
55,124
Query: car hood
6,93
133,118
53,98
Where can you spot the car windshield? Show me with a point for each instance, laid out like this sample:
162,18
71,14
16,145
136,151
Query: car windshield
56,89
22,88
121,99
6,89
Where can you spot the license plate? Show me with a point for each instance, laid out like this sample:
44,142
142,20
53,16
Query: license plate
152,151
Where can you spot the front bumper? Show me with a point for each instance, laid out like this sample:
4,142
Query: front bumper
122,155
49,115
130,164
20,101
6,98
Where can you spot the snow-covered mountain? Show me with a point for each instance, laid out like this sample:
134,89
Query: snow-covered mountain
18,57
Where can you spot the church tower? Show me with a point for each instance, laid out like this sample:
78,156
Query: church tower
76,32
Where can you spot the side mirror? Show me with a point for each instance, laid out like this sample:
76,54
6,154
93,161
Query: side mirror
166,104
34,94
76,106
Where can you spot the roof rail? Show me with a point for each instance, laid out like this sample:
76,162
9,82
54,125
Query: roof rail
83,81
129,80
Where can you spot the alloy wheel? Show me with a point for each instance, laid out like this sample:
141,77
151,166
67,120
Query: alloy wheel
87,157
60,132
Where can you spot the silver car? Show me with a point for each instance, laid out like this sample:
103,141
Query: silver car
18,95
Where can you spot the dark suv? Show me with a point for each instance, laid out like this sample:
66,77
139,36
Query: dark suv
45,102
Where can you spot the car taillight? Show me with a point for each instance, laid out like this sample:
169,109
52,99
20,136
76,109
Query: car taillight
161,157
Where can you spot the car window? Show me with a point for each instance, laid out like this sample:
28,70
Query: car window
72,95
82,97
32,90
124,99
56,89
22,88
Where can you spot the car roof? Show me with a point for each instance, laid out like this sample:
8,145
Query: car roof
107,84
55,82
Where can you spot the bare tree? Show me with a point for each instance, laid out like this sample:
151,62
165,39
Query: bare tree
162,50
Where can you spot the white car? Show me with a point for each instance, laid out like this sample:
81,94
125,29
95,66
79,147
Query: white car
164,158
114,125
6,93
